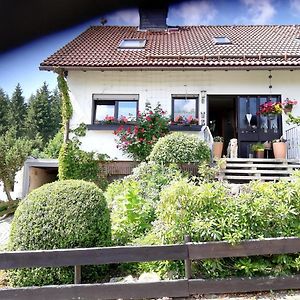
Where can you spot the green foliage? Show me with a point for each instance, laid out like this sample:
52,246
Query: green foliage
13,153
17,111
138,141
257,147
4,112
66,105
74,163
42,114
53,146
59,215
210,213
133,200
180,148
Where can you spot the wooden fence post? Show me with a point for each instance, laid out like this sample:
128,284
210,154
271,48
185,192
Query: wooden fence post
77,274
187,261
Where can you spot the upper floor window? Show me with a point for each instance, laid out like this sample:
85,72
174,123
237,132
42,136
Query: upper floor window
221,40
132,44
185,108
114,108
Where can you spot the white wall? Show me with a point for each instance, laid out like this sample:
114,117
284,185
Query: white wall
158,86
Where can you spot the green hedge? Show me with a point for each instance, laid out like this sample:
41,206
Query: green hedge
210,213
63,214
180,148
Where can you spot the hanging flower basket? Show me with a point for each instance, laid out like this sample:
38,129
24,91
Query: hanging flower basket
270,109
287,105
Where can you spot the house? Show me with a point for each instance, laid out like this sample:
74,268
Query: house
218,74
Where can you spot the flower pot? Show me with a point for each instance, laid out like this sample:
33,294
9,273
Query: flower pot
280,150
260,154
217,150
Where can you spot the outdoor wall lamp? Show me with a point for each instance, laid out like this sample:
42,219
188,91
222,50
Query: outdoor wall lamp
203,95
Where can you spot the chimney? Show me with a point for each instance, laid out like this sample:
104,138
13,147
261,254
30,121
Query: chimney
154,19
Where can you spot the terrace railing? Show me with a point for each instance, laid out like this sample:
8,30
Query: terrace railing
293,142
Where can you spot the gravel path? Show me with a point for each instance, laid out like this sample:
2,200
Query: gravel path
4,231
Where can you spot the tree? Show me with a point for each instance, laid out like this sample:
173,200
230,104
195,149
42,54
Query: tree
43,116
55,112
13,153
4,106
38,117
17,111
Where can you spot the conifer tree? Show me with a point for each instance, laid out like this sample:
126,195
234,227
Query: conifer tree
17,111
4,107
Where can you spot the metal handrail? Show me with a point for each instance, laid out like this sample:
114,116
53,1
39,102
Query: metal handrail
293,142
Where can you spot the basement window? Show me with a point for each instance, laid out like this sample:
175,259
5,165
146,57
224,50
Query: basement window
221,40
114,108
132,44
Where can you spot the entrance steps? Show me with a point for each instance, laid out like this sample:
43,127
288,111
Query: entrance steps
247,169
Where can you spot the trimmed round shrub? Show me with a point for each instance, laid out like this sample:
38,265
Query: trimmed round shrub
133,200
180,148
59,215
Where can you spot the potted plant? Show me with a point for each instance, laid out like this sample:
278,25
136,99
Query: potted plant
258,149
218,147
280,148
287,105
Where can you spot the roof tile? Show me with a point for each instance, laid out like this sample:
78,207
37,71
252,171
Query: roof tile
257,45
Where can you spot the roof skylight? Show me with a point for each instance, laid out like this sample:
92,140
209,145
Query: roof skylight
132,44
221,40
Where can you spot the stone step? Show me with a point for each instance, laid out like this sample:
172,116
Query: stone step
263,160
248,178
277,172
262,166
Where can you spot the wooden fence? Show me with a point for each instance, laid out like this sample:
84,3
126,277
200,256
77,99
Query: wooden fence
169,288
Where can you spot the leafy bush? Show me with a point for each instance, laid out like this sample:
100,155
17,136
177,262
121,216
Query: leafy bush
75,163
58,215
133,200
138,141
209,213
180,148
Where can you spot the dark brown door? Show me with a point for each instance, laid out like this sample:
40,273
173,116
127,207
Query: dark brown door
253,127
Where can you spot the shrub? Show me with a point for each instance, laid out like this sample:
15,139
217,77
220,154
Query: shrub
180,148
133,200
62,214
209,213
75,163
137,141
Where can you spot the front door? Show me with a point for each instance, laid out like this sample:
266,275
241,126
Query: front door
253,127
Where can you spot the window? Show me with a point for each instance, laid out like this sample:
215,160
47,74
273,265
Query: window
114,107
132,44
185,107
221,40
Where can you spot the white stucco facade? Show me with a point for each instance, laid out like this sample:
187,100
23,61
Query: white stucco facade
158,86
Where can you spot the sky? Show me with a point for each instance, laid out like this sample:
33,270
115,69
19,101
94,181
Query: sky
21,65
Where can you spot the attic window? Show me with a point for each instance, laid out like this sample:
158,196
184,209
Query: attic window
133,44
221,40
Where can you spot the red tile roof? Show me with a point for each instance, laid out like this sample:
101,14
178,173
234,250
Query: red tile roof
253,46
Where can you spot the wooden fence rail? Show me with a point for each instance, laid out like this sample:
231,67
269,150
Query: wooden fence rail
171,288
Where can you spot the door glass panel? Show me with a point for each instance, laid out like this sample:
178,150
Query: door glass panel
247,113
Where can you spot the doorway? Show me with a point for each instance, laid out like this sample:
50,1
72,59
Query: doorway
222,117
232,116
